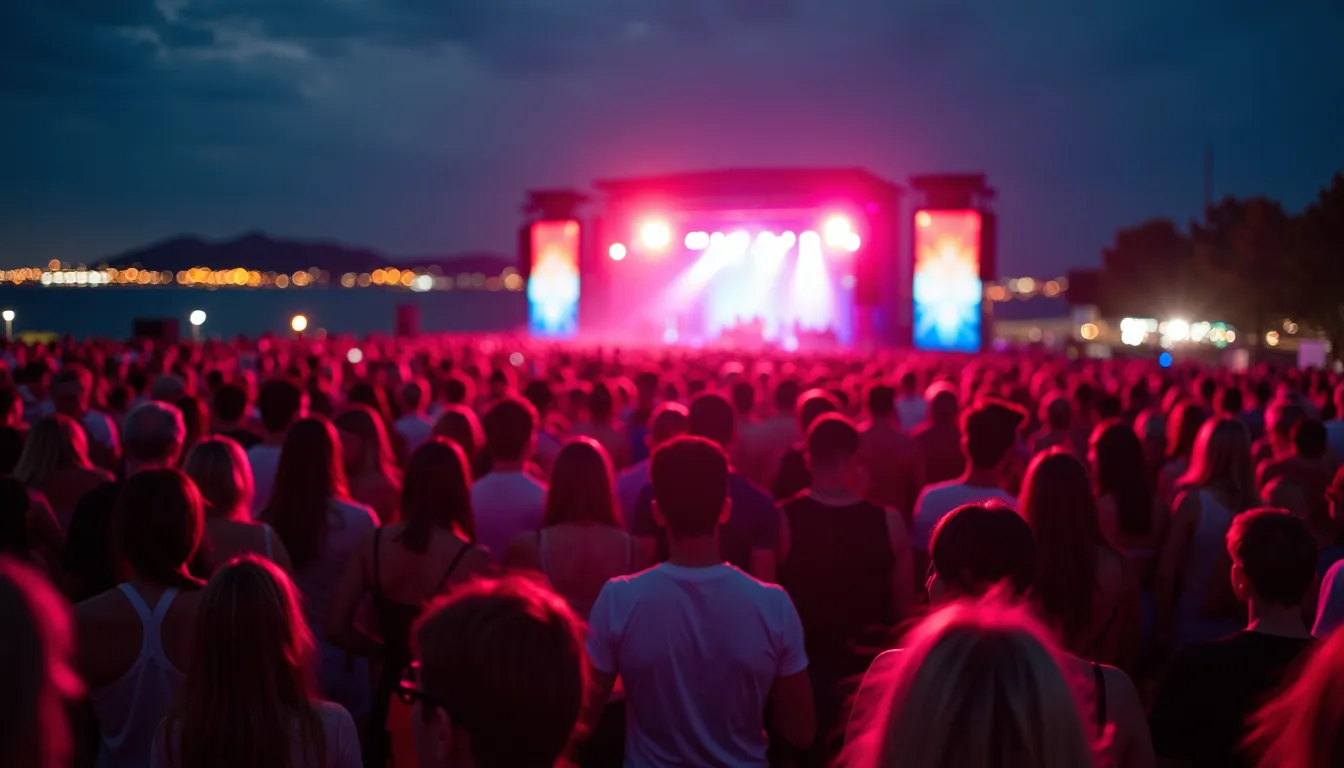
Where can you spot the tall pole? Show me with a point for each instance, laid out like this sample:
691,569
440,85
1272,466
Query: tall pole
1208,181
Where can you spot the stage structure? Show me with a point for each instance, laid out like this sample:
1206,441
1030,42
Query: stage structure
954,254
550,249
780,258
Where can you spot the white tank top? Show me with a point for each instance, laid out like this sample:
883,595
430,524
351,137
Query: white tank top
129,709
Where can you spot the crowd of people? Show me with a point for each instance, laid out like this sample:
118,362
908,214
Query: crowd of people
498,553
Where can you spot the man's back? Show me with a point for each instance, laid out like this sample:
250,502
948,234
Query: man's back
894,464
699,650
506,504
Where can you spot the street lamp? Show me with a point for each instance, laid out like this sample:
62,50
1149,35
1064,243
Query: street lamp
197,319
299,323
8,315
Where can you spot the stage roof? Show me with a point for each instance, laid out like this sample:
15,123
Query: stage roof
774,182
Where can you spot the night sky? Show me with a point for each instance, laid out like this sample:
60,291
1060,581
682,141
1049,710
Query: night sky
414,126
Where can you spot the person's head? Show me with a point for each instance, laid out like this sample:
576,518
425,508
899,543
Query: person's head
220,469
414,396
510,430
364,442
909,383
501,676
881,401
158,521
944,406
1120,468
436,494
1057,502
744,398
309,475
229,403
11,407
832,445
690,486
711,417
1057,412
37,654
54,443
786,396
501,382
458,390
1183,429
250,676
1221,461
977,547
71,389
1273,557
168,388
1310,440
814,403
538,392
153,435
281,403
977,684
195,418
1281,419
669,420
990,434
1303,726
459,424
1230,401
601,403
1282,493
582,487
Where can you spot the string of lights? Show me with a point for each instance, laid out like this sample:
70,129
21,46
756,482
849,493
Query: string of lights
58,274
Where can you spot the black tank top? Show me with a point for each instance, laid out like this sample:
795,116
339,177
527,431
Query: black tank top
839,574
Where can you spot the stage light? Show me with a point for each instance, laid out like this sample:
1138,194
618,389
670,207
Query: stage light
1089,331
853,242
655,235
716,240
616,251
923,219
1271,338
809,239
739,241
697,241
765,239
1177,330
1164,359
789,239
354,356
197,318
9,316
299,323
838,231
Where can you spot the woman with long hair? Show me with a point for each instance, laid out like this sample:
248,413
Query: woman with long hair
321,527
135,640
402,566
1303,727
603,426
248,698
1085,589
370,465
1183,426
1194,597
1133,519
581,543
55,462
977,685
222,473
37,651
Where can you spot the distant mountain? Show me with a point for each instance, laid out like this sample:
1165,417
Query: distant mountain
262,252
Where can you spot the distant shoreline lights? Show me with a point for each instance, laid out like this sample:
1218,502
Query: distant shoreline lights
59,275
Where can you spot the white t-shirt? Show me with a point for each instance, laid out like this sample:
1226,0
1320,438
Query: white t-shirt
265,460
414,428
338,732
912,410
938,499
698,650
506,504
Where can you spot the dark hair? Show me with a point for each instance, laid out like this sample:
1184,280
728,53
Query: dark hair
583,486
812,404
457,389
1310,439
1057,411
882,400
436,493
1122,474
9,397
157,524
414,395
712,418
195,417
1110,406
601,404
1057,503
831,441
977,546
280,403
943,403
459,424
504,658
1230,401
365,393
310,474
744,397
14,504
786,395
230,403
990,430
690,485
1183,429
509,426
669,420
1277,551
539,393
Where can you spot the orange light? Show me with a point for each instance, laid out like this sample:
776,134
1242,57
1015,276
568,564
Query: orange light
299,323
616,251
1089,331
655,234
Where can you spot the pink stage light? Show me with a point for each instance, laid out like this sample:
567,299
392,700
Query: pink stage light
656,234
697,241
616,251
838,230
853,242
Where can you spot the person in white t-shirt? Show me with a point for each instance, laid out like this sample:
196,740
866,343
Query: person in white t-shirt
990,440
702,648
508,501
281,403
416,426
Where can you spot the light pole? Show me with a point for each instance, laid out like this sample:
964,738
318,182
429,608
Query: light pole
8,314
197,319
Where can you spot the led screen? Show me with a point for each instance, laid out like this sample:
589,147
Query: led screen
947,290
553,288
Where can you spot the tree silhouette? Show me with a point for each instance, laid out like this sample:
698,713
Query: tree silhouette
1315,273
1241,255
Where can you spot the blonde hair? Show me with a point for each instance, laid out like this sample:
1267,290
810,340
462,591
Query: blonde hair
55,443
977,685
1303,727
1221,461
223,474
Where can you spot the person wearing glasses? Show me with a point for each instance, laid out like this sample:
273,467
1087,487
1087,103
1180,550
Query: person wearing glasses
499,678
